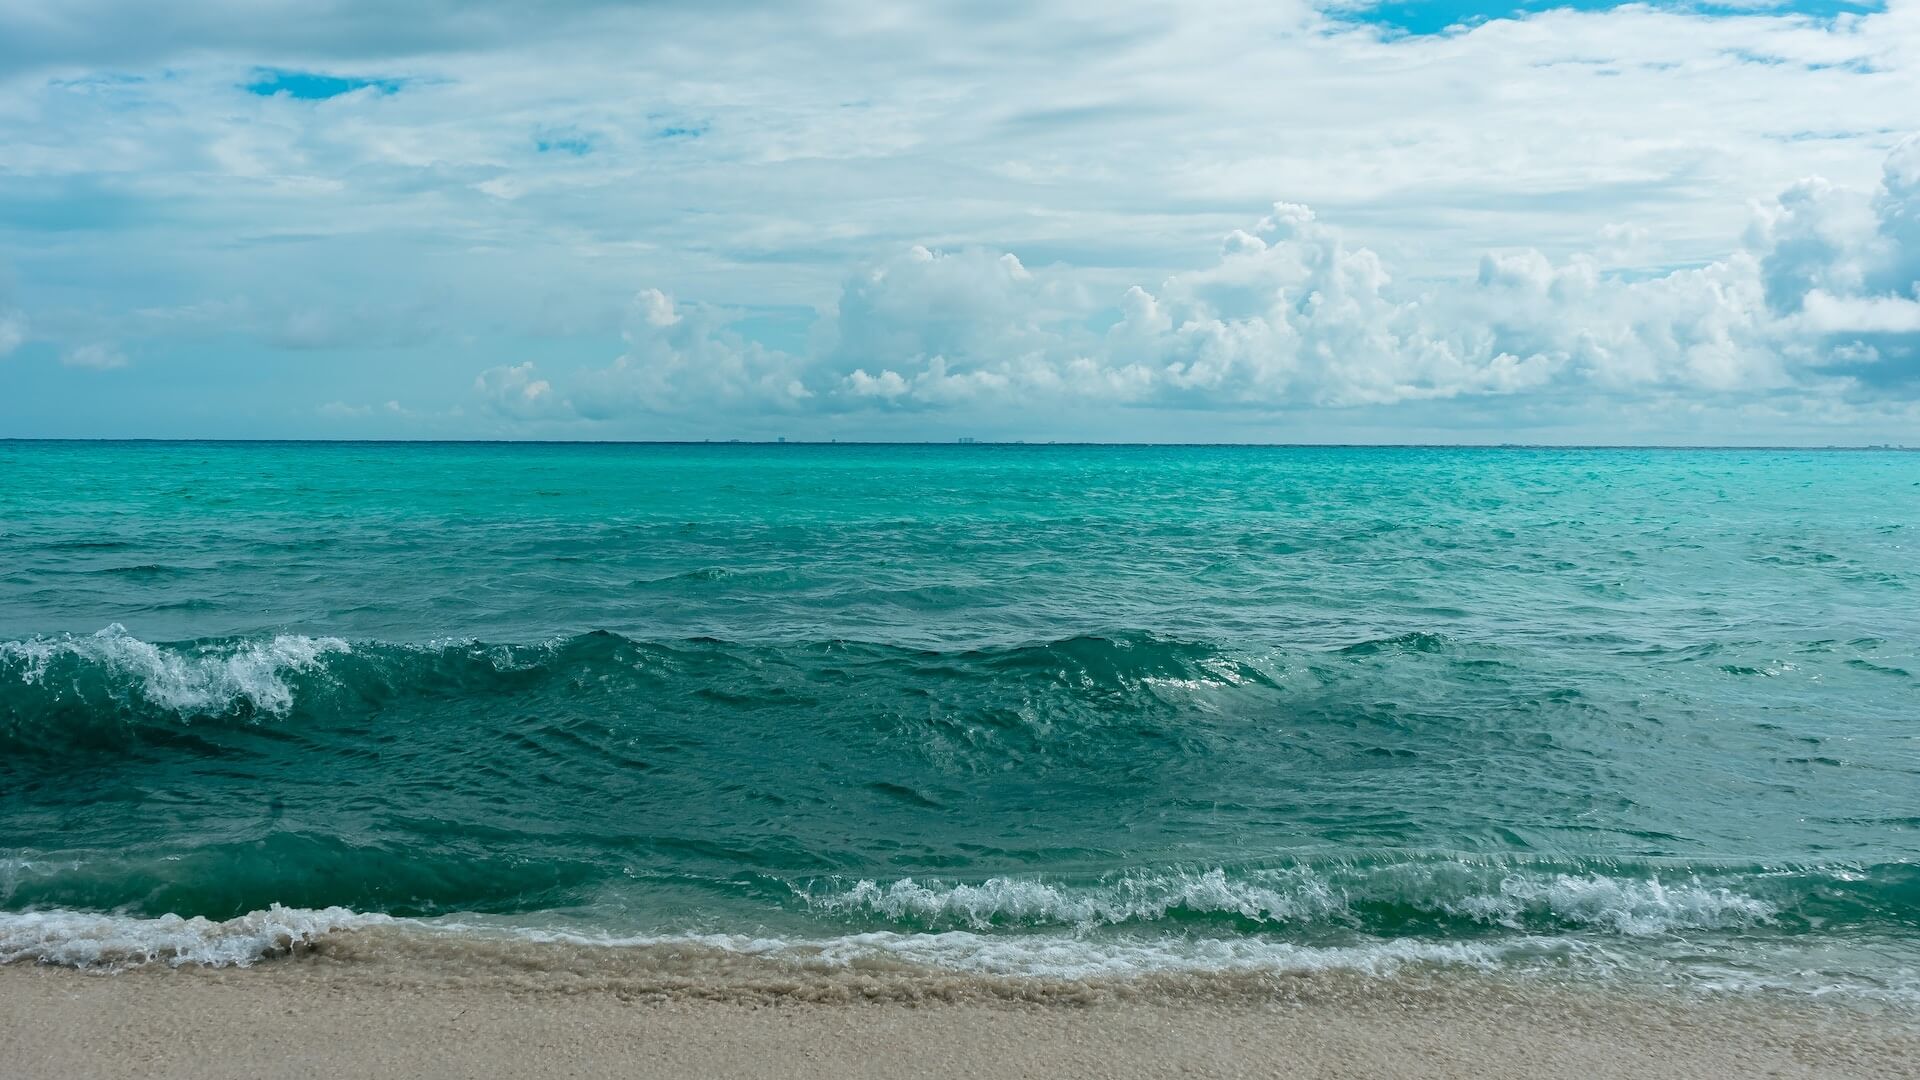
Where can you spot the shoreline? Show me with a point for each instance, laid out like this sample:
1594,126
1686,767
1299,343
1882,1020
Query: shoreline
310,1015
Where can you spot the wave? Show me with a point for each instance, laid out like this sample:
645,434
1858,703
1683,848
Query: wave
90,940
1268,800
119,942
1414,642
90,689
191,679
114,673
1446,895
1054,965
1002,901
1435,897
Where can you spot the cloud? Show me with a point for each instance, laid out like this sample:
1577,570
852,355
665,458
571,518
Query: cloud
96,357
938,314
1292,313
1288,315
96,30
1820,298
13,322
678,354
1862,316
424,191
516,392
340,410
1846,266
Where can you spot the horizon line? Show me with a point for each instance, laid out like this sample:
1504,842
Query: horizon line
960,441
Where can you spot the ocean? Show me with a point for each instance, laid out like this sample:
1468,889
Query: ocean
1020,714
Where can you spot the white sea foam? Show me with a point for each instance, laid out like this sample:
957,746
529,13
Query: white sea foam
186,679
118,942
1279,896
1071,957
79,939
1628,906
467,946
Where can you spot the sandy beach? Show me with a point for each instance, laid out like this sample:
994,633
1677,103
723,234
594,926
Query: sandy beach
294,1019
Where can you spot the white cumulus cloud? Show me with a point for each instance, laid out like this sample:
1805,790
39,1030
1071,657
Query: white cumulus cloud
517,392
1818,298
966,203
678,354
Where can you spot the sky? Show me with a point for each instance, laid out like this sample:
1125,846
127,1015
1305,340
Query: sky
1281,221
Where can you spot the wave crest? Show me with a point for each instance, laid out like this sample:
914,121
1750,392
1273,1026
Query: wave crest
1136,899
79,939
207,678
1306,896
122,942
1637,908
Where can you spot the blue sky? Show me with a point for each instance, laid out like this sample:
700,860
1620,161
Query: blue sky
1418,17
1666,223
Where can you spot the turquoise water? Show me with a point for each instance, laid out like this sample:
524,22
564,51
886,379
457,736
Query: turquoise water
1605,714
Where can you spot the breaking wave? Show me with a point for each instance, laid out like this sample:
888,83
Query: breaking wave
91,940
211,677
1447,895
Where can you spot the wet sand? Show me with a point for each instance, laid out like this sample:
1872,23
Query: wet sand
290,1019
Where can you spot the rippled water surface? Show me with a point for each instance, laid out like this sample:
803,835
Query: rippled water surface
1013,709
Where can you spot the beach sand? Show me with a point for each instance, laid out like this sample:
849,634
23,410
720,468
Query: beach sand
288,1018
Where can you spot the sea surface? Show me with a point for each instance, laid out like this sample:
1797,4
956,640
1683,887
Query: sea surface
1623,717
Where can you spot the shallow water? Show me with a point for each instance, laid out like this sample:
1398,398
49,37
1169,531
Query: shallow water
1026,711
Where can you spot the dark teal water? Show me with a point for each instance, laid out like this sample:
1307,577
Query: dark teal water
1607,713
